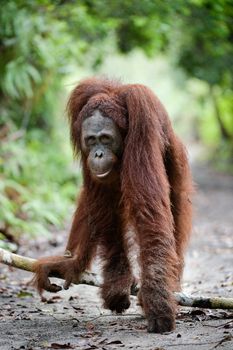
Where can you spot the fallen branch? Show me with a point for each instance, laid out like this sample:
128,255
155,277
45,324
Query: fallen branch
28,264
203,302
90,278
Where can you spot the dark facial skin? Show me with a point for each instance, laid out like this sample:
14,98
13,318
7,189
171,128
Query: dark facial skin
102,143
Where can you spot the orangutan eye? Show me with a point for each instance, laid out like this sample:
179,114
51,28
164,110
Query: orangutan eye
106,139
90,140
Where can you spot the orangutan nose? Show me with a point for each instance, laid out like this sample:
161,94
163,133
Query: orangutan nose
99,154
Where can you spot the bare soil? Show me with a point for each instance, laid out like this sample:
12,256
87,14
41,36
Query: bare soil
75,319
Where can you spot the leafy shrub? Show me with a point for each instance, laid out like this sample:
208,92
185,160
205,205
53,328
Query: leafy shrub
37,184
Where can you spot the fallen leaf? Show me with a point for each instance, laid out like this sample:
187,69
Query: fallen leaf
23,294
90,326
61,346
103,341
197,312
114,342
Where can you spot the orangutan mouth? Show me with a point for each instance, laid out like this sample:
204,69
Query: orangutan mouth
101,176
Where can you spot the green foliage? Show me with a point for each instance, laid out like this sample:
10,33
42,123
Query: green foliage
41,42
205,49
32,61
201,44
37,51
134,23
37,186
196,35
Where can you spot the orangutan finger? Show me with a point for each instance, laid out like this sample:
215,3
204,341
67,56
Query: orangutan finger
52,287
67,283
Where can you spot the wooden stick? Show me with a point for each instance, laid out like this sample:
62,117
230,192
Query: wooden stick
203,302
90,278
27,264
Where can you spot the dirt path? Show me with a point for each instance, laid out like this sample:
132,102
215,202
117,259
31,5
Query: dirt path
76,320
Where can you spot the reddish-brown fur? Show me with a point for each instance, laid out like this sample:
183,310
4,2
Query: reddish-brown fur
152,195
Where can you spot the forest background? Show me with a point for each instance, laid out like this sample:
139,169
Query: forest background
181,49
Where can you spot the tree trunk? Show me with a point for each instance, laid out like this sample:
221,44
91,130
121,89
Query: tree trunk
225,135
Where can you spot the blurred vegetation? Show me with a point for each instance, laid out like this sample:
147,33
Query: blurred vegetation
37,184
44,43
